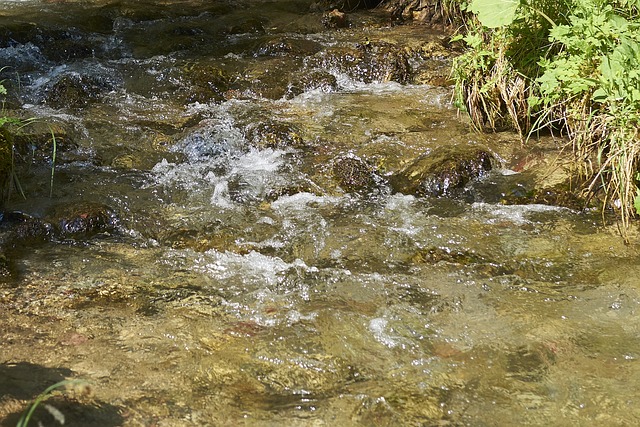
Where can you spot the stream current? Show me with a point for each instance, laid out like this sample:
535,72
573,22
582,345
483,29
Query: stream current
243,285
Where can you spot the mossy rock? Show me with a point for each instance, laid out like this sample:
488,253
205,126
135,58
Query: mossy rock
354,175
444,171
207,83
75,91
309,80
367,62
273,134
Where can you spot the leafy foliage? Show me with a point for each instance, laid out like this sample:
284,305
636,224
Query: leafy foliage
494,13
580,64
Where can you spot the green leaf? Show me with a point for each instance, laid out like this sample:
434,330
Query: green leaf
599,95
494,13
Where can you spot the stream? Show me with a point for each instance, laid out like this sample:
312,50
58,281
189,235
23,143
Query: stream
252,263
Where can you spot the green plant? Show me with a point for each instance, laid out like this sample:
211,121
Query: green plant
44,396
8,148
579,61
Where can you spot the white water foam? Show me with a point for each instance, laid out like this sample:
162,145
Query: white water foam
513,213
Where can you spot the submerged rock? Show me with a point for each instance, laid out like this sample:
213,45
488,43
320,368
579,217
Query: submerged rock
444,171
7,270
84,219
207,83
75,91
287,46
23,228
6,153
69,221
268,78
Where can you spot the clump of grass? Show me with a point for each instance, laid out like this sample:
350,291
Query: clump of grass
8,151
572,67
80,385
488,86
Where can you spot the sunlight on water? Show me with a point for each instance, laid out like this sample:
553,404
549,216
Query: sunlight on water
245,282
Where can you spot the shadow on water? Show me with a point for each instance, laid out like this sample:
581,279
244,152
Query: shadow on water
24,382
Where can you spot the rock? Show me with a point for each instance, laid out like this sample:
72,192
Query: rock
434,255
354,174
344,5
66,45
308,80
7,270
286,46
35,139
419,11
84,219
207,83
23,228
433,72
530,363
268,78
443,172
6,153
75,91
367,62
272,134
335,19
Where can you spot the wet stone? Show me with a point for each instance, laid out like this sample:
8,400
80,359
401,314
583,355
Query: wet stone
443,172
433,72
7,270
284,46
207,83
308,80
273,134
84,219
60,46
35,141
435,255
367,62
268,78
26,228
335,19
75,91
354,174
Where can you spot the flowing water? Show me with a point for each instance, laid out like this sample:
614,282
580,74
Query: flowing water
243,285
